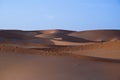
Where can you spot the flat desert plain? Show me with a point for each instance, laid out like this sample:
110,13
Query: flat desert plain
59,55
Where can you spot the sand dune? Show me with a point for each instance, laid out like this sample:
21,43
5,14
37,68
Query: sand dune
99,50
61,43
59,55
97,35
61,35
21,36
55,31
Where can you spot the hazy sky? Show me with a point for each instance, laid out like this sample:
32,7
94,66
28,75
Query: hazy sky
60,14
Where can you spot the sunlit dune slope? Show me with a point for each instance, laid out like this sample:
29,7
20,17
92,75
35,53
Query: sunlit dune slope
97,35
106,50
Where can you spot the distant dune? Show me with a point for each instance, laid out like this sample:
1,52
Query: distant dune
55,31
61,35
60,55
64,42
98,35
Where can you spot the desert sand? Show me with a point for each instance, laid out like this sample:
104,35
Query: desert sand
60,55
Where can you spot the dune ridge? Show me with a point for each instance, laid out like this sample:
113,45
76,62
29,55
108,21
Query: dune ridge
97,35
62,42
73,51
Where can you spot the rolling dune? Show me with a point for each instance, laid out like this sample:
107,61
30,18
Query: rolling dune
97,35
59,55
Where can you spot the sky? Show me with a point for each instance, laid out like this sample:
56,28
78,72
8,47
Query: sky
59,14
